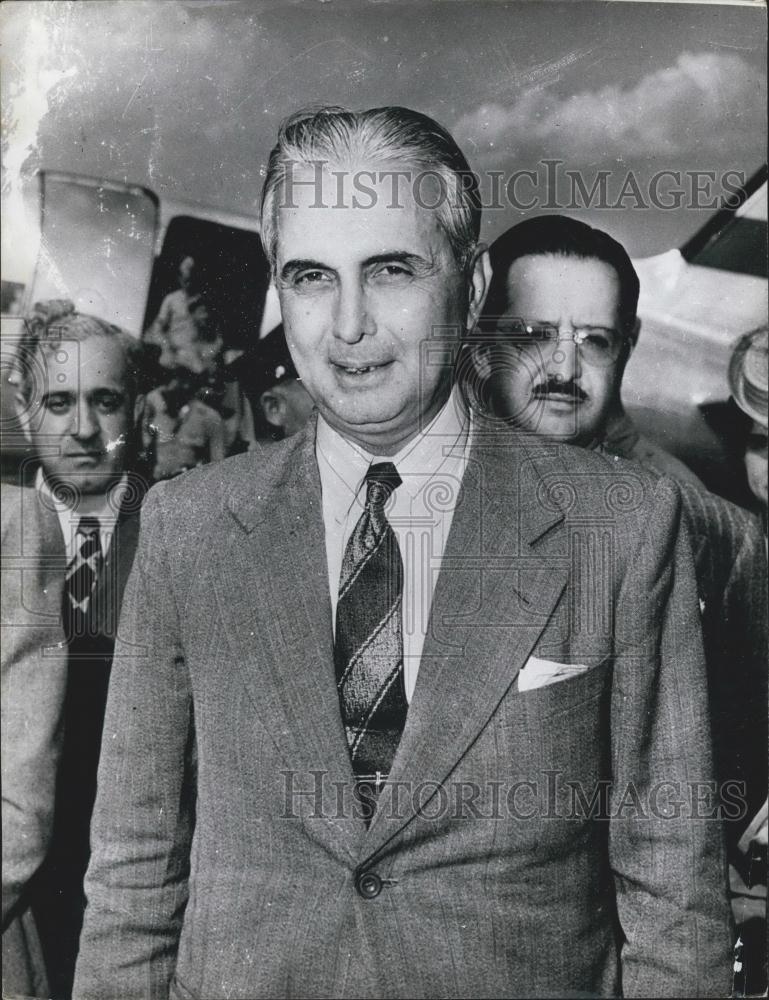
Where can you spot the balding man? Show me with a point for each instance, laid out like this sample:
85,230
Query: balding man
80,385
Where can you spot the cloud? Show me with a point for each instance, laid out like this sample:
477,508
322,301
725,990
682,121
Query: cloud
142,91
705,103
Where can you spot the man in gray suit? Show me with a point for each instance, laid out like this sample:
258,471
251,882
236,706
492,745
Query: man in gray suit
80,383
34,677
402,706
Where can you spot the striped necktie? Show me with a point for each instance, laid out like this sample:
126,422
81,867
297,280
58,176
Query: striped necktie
84,569
368,647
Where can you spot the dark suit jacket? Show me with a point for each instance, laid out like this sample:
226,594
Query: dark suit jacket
214,875
730,559
58,899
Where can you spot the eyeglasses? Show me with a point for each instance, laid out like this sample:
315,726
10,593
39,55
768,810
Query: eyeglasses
597,345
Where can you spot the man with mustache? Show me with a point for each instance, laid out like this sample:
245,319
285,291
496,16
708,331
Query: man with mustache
374,673
549,355
80,386
559,373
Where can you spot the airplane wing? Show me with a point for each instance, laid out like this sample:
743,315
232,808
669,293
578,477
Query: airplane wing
695,302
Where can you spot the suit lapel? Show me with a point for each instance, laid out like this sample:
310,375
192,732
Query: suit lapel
493,598
277,555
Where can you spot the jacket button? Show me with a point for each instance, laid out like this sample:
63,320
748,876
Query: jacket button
369,885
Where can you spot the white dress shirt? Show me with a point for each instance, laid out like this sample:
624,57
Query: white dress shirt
420,511
104,506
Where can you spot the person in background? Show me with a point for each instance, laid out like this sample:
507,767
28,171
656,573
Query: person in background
279,401
748,378
185,329
567,389
548,357
236,412
182,426
80,383
748,382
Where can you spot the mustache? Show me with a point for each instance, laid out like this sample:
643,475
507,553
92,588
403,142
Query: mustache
559,387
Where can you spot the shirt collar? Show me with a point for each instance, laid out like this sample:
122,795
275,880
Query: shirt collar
104,506
444,437
342,464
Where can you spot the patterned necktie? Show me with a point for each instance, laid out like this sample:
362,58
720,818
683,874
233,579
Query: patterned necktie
368,647
84,569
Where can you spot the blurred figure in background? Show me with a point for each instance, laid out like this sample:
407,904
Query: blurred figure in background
549,358
175,314
748,377
80,384
185,329
182,427
279,401
197,412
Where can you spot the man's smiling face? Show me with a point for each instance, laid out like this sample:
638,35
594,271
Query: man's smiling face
360,289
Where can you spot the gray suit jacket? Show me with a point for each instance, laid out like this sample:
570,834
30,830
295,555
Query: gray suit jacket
34,677
730,562
53,704
531,843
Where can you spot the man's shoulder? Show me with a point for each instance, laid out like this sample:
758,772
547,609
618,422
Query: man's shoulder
623,439
542,453
663,462
209,490
717,527
723,526
19,505
582,481
29,526
12,496
705,513
625,491
175,299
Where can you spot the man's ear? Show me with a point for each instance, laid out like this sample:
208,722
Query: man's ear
627,349
480,278
21,406
273,407
634,334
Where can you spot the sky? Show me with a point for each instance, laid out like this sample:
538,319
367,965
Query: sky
185,98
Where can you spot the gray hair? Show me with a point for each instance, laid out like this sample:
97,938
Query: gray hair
336,135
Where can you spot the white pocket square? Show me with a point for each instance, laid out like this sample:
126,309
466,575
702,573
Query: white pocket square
536,673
